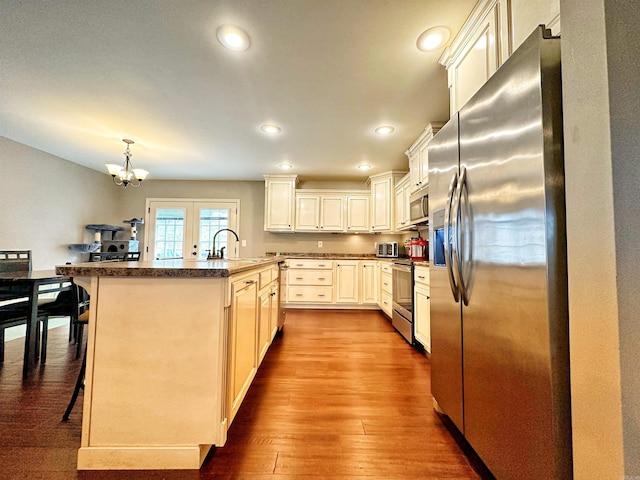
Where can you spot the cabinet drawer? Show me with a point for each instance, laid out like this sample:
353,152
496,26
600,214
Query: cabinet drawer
421,275
267,276
385,282
386,303
385,267
316,264
309,277
309,294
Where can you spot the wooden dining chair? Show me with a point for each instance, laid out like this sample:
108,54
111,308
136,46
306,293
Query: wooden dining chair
16,314
81,318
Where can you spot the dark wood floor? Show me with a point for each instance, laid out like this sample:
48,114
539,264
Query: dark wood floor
340,395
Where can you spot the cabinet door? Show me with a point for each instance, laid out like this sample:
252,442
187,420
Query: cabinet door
279,204
332,213
243,342
273,318
399,202
347,276
415,169
423,317
423,172
381,205
369,283
358,214
264,323
307,213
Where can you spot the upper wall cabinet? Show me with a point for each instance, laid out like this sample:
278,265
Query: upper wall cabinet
318,212
383,200
358,212
419,158
279,204
492,32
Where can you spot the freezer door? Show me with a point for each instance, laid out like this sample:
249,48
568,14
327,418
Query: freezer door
446,326
512,236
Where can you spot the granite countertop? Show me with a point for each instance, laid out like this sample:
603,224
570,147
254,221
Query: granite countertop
218,268
167,268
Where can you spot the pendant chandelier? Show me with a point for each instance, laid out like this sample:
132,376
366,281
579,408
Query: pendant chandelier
126,175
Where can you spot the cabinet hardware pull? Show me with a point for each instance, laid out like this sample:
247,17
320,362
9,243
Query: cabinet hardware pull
421,276
298,294
298,278
321,294
299,264
321,278
249,282
321,265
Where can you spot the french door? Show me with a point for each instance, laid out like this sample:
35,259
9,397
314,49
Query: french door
178,228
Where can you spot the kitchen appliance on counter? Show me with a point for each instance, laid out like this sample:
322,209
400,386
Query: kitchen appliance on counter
402,296
418,249
499,308
390,250
419,206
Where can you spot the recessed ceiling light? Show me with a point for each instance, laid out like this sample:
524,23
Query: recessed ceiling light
384,130
285,166
271,129
364,167
234,38
432,38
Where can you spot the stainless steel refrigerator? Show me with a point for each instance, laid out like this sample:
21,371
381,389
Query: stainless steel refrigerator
499,315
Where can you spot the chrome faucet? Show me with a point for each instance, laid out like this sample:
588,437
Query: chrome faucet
220,254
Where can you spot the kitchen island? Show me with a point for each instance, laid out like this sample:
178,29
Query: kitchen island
173,346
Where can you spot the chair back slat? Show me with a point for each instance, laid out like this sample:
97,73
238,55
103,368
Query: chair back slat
15,260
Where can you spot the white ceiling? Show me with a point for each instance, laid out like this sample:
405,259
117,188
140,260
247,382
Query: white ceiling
78,76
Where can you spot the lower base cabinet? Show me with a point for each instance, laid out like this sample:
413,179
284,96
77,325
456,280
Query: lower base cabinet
242,341
422,307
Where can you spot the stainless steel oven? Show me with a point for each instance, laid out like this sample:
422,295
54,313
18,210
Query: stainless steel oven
402,287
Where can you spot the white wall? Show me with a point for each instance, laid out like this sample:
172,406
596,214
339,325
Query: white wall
600,65
47,201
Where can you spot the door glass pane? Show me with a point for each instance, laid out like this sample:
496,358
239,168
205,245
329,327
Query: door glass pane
211,220
169,233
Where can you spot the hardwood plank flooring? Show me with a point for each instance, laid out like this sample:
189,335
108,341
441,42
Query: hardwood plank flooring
340,395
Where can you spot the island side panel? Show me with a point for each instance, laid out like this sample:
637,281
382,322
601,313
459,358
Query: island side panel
155,371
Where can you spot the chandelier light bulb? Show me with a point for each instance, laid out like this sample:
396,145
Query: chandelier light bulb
126,175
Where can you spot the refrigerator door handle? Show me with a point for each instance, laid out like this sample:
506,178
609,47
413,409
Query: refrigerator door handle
462,184
448,257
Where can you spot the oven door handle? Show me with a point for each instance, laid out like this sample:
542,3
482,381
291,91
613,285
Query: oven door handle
401,268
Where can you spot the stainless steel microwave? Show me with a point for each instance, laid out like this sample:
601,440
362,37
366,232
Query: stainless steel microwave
388,249
419,206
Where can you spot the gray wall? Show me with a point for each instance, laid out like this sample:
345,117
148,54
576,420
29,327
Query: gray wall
600,45
47,201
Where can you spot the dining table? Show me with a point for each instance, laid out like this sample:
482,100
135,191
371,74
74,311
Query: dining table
26,284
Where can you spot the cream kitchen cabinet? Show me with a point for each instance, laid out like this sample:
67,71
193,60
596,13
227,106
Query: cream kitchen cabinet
358,212
279,202
493,31
347,281
268,302
419,157
243,345
369,282
309,281
383,200
422,307
385,298
319,212
402,193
